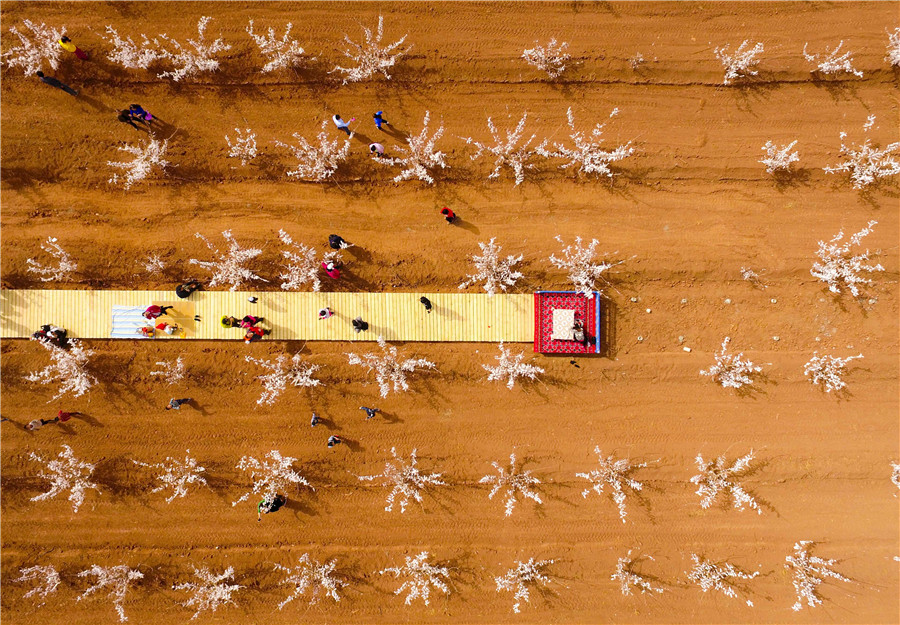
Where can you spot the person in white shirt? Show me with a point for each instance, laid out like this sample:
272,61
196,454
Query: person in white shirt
376,149
341,124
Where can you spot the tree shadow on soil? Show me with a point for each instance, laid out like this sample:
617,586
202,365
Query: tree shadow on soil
441,496
161,576
635,567
302,506
887,187
608,315
411,79
13,372
752,90
750,472
547,594
464,574
555,492
425,379
25,179
840,89
217,484
791,179
117,476
641,499
754,390
11,489
269,167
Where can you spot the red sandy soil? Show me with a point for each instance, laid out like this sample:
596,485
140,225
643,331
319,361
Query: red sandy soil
686,213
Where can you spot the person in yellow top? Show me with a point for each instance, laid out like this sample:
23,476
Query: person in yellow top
67,45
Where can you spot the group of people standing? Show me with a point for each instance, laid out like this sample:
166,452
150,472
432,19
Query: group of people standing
154,312
250,323
54,335
134,113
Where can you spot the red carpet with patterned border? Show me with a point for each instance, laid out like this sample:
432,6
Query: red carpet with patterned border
587,310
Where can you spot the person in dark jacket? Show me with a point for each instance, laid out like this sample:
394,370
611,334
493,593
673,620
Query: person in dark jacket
337,243
359,325
269,505
184,290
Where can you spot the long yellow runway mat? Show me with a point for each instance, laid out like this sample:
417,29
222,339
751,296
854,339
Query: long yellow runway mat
459,317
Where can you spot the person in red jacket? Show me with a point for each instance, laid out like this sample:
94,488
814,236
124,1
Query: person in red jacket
254,334
332,268
448,214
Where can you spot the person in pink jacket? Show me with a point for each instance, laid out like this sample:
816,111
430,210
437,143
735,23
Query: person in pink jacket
332,268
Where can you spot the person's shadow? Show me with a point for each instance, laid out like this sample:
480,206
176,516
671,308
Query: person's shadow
395,133
366,139
87,419
466,225
352,445
95,104
193,403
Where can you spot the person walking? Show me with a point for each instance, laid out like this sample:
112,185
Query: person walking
314,421
337,243
49,80
341,124
66,44
448,214
359,325
379,120
426,303
325,313
137,112
269,505
175,404
153,311
370,412
376,149
37,424
334,440
252,299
